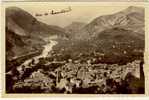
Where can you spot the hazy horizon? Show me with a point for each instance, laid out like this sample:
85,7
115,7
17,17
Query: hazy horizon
79,13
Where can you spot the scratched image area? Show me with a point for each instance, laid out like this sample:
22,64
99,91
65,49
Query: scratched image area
74,49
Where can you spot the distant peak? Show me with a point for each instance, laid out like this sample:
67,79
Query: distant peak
132,9
78,23
14,8
75,23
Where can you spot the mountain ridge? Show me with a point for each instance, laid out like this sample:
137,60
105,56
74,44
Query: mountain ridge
130,19
28,30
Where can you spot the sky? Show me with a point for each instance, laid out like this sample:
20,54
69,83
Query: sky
79,13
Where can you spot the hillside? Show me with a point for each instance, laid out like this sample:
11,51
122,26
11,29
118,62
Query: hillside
23,23
118,38
105,56
74,28
25,34
131,18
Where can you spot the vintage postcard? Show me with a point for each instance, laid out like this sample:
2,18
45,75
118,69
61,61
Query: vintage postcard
74,48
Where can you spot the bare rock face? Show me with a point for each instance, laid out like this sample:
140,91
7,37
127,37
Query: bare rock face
131,18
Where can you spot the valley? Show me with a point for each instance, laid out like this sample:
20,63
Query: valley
104,56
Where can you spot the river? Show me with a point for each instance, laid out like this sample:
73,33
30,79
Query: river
47,49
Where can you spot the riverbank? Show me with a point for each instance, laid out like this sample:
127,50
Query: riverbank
26,59
19,60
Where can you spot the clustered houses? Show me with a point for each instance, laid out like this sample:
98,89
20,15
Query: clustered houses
75,77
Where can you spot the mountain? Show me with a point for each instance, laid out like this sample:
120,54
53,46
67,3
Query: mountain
74,28
118,41
23,23
116,38
25,34
131,18
17,45
111,46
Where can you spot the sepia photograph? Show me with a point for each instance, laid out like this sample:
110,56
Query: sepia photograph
74,49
